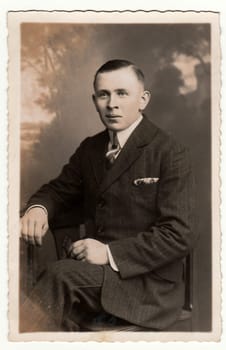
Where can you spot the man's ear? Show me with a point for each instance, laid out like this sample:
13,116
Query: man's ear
145,98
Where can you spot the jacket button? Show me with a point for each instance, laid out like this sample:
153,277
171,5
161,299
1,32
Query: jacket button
101,203
100,229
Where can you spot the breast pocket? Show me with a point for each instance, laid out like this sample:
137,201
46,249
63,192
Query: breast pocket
144,192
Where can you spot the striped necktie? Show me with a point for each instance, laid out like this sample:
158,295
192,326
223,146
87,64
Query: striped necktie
111,155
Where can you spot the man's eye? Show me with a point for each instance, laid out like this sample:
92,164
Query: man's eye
122,93
103,95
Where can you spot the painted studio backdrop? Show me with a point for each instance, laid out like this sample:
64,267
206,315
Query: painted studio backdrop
58,62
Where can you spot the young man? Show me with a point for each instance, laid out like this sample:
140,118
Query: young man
134,184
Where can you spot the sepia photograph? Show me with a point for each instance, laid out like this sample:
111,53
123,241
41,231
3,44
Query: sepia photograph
113,171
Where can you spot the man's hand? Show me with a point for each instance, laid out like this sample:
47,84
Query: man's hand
34,225
89,250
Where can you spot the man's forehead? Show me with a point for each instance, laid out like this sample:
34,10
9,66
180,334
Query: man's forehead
122,75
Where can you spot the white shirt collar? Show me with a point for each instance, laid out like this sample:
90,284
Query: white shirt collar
123,135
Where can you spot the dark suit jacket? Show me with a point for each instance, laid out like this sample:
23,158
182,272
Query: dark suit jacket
148,226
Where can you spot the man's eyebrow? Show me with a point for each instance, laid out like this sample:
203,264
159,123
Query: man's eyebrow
102,90
108,91
121,89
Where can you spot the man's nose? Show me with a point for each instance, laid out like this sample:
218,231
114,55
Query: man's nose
112,102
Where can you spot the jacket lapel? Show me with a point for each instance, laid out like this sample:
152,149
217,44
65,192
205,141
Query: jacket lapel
97,155
133,148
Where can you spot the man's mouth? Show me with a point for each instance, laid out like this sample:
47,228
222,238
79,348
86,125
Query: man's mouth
110,116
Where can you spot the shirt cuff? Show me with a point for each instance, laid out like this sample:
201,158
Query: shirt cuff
37,206
111,260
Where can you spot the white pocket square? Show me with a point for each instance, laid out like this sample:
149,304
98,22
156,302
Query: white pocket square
146,181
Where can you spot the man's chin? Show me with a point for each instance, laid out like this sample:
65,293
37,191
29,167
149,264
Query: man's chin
114,126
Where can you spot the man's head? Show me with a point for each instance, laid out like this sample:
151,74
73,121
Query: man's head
119,94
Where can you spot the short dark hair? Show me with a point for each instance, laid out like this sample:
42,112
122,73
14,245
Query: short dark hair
116,64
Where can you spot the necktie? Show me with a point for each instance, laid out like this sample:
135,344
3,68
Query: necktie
114,150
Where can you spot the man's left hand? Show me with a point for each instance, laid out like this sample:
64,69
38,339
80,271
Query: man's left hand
89,250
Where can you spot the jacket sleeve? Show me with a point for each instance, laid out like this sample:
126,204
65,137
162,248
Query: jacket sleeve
171,237
64,191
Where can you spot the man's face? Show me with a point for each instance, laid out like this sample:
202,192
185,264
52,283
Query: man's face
119,98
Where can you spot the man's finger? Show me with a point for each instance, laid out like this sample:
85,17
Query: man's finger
31,231
78,250
38,240
24,230
75,251
76,247
81,256
79,243
25,237
24,227
38,233
45,228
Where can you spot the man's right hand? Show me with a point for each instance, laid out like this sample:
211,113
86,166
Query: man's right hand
34,225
